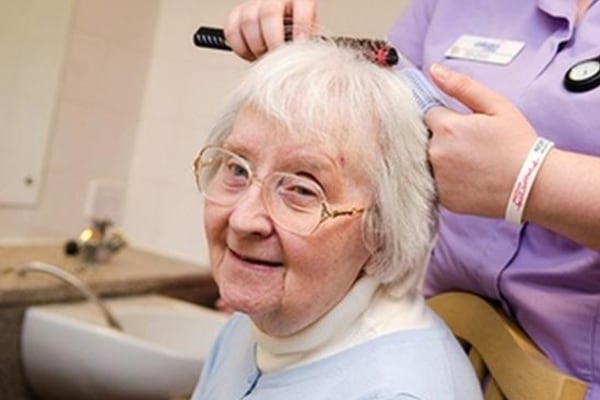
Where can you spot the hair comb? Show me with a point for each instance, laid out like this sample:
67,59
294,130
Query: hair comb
378,51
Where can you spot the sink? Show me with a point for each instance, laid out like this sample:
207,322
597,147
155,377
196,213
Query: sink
69,351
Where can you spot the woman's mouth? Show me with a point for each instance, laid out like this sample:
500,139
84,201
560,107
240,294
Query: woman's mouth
257,261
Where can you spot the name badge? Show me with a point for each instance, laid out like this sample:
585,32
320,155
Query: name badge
483,49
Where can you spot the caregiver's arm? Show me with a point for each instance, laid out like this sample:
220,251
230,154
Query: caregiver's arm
477,157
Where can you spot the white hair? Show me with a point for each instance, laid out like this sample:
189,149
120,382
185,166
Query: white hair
335,94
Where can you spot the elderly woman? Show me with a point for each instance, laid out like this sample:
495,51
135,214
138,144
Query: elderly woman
319,218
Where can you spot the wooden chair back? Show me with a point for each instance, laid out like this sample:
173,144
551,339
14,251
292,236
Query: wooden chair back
505,360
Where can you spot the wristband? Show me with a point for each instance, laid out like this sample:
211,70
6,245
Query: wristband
524,183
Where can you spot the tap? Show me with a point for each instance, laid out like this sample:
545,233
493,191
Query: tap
97,243
73,281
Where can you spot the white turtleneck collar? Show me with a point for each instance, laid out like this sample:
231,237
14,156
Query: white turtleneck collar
369,310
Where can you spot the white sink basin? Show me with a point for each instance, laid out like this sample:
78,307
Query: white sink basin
69,352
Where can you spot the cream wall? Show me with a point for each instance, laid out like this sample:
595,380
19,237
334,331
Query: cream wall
136,102
96,116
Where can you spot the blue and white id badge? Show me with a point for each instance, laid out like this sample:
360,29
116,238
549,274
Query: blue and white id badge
484,49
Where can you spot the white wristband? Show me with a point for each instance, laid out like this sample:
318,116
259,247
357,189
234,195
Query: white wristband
524,183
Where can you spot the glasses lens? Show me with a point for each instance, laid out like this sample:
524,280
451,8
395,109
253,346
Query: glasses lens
222,176
294,202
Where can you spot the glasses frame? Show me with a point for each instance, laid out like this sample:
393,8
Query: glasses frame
327,212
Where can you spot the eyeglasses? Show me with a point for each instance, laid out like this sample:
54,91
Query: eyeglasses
295,203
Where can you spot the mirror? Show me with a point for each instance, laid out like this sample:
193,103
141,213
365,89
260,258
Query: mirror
33,36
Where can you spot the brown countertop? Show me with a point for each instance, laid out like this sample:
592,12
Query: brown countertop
128,272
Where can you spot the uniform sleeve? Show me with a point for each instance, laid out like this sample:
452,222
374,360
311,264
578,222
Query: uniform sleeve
409,30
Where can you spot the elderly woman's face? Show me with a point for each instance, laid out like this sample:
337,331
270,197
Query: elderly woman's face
282,280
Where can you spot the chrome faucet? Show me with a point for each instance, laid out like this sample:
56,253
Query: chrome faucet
72,280
97,243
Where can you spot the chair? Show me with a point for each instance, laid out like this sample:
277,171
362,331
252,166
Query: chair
505,360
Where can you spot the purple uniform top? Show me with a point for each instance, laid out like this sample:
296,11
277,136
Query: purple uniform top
550,284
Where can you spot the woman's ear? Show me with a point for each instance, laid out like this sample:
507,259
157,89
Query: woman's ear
371,235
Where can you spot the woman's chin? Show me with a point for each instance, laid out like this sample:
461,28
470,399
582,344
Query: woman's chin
248,292
247,302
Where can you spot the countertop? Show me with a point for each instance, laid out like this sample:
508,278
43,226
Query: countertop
128,272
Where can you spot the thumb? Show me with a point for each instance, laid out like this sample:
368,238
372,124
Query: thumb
466,90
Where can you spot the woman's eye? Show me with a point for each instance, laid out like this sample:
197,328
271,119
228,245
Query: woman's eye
303,191
299,194
233,174
237,170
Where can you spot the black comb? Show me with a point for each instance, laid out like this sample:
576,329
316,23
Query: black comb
378,51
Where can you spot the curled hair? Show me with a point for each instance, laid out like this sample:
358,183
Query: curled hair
332,93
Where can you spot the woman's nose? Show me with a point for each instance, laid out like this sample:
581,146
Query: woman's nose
249,214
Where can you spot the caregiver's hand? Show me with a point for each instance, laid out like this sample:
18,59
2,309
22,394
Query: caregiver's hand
256,26
476,156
